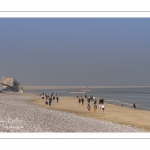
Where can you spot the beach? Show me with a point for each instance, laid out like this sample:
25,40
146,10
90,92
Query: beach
112,113
27,112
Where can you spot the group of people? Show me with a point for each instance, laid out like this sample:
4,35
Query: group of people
101,102
81,100
101,105
49,98
95,107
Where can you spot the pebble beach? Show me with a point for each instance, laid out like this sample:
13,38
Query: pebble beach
18,114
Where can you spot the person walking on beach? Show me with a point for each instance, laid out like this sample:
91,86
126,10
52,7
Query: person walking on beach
57,99
82,100
95,102
52,94
88,100
79,101
134,106
50,101
85,96
103,107
88,108
95,107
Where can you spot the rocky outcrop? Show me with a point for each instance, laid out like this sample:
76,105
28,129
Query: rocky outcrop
10,84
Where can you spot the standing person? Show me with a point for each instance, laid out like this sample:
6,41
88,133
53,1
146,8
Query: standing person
82,100
50,101
85,96
103,107
134,106
88,108
95,107
95,102
57,99
79,101
52,94
89,100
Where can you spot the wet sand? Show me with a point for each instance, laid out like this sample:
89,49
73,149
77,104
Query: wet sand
112,113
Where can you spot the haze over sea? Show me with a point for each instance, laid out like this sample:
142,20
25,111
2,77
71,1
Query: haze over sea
125,95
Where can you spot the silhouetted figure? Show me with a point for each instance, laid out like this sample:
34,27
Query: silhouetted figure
52,94
89,100
100,101
134,106
79,101
82,100
50,101
57,99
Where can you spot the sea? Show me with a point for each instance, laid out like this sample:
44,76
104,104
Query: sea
118,96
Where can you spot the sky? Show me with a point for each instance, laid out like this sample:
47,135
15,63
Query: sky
76,51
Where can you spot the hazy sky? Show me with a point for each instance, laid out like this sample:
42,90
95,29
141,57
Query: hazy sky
67,51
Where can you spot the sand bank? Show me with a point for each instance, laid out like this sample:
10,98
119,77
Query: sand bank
113,113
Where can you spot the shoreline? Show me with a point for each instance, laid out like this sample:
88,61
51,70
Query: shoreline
113,113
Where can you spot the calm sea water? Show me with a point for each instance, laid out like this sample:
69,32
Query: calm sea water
117,96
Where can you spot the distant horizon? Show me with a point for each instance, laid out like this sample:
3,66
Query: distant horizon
82,87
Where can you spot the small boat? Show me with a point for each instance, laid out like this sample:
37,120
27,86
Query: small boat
79,91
